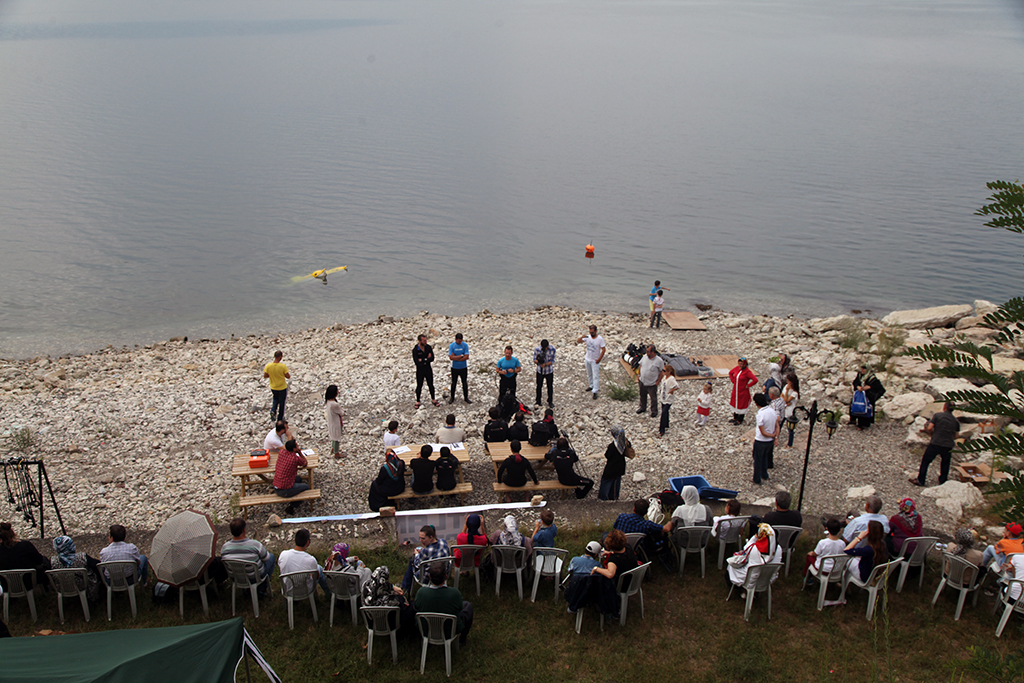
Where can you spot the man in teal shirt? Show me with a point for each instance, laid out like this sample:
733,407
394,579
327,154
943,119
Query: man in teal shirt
438,597
458,352
508,368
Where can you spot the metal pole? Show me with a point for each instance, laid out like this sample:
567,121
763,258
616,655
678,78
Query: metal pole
812,417
42,524
53,500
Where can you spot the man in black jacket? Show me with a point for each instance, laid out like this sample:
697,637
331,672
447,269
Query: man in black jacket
564,459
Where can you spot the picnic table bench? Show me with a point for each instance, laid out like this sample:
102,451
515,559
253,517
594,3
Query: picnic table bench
499,450
542,485
460,489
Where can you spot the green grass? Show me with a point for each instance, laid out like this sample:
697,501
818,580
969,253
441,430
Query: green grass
690,631
622,392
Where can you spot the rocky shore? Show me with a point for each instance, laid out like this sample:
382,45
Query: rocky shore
133,435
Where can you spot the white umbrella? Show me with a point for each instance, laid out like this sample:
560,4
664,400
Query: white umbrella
183,548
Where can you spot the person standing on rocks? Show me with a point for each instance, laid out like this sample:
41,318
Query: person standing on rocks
423,356
649,377
592,358
508,367
335,419
873,390
458,353
944,429
544,357
764,437
277,373
742,379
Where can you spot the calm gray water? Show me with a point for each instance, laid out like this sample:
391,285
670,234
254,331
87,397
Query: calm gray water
165,168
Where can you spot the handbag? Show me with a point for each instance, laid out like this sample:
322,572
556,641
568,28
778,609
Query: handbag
629,452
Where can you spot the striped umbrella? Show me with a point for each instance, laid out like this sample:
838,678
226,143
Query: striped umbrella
183,548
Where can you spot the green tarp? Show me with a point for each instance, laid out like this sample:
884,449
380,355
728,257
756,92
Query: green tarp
204,653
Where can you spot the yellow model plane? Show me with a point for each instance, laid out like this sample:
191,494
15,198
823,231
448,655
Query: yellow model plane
319,274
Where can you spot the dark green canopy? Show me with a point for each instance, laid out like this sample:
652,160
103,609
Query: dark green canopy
203,653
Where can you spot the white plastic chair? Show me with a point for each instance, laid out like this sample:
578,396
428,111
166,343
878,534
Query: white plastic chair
421,577
120,577
786,538
296,586
200,585
437,625
962,576
468,562
914,557
380,621
508,559
18,586
691,540
636,582
832,572
730,531
245,575
343,586
877,581
635,543
69,583
547,562
758,580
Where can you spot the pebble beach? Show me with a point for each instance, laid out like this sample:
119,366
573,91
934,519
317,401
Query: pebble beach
133,435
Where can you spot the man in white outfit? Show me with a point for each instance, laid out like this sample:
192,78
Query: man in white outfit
592,358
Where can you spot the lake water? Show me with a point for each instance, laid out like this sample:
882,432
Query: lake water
166,168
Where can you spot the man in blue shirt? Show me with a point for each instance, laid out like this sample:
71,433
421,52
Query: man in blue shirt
508,368
458,352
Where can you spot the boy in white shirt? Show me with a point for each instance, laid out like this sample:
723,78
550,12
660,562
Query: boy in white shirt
833,544
659,304
391,438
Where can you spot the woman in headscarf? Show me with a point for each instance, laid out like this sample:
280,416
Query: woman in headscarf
777,373
873,390
68,558
380,592
963,546
903,525
691,512
339,561
615,467
390,481
760,549
742,379
473,533
335,415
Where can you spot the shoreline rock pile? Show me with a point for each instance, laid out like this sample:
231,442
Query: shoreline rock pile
134,435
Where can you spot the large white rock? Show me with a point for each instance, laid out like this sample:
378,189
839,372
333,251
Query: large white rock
983,308
951,506
904,366
914,435
899,407
943,385
928,318
966,495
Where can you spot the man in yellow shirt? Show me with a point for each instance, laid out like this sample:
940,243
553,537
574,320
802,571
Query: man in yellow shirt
277,373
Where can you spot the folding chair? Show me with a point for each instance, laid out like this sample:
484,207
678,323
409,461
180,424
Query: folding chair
961,575
69,583
296,586
433,627
21,583
245,575
913,553
468,562
343,586
636,581
833,569
691,540
636,544
547,562
786,538
730,531
380,621
200,585
876,582
120,577
508,559
758,580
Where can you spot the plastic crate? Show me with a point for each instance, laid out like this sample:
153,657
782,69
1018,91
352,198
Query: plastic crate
705,489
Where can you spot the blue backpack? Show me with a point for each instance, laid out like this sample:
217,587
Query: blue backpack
861,407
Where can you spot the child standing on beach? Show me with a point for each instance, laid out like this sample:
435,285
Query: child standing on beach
658,305
703,404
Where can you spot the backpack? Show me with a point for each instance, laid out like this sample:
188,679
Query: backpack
860,406
510,405
683,366
542,433
670,500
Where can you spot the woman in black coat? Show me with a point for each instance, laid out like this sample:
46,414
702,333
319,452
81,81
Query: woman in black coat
873,390
390,482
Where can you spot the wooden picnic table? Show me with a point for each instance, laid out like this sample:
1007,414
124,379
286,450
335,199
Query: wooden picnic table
499,450
462,455
260,476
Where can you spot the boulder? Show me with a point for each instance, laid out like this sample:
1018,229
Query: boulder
899,407
914,435
967,321
983,308
951,506
966,495
904,366
860,492
940,386
928,318
639,476
825,324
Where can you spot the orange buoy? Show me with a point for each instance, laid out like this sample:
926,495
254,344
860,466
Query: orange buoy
590,251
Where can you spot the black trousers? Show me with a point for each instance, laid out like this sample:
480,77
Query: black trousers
456,374
930,454
506,383
550,379
424,373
